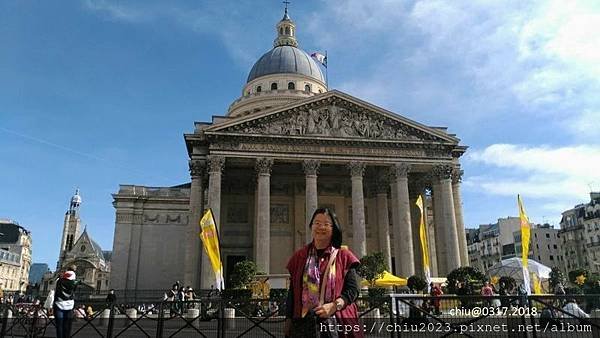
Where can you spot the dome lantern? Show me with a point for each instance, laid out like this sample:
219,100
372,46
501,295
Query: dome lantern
286,31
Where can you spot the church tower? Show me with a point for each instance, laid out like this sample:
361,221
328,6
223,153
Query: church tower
71,228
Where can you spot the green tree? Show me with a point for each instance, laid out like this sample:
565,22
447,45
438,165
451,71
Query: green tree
470,277
508,282
575,277
416,283
243,274
372,267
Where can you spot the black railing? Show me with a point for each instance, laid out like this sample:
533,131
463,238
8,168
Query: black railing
389,316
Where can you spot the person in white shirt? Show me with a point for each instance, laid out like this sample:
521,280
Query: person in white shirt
573,309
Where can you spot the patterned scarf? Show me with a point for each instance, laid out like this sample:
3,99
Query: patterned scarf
311,279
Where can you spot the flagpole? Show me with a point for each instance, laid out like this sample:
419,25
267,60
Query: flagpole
326,71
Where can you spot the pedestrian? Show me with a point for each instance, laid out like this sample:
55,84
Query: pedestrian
436,291
111,298
64,302
324,284
574,310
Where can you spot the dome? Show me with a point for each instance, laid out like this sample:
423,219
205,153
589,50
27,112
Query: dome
286,59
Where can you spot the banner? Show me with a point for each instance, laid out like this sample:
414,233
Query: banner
423,237
210,239
525,236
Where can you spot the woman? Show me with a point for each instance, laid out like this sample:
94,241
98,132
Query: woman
64,302
323,283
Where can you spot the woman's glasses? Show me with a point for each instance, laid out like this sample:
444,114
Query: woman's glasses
325,225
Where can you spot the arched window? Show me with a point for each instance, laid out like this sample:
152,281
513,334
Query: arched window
258,89
307,88
320,91
291,85
280,30
287,30
274,86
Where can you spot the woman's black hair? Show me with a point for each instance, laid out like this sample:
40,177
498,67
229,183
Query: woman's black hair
336,236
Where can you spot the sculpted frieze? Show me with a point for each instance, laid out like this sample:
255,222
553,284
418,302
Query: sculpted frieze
333,121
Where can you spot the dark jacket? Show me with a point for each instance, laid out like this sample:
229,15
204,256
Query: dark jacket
64,292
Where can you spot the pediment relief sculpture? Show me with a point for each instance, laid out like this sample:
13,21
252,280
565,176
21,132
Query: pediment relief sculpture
332,121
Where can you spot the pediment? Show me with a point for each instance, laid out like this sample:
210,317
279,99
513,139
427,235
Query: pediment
332,115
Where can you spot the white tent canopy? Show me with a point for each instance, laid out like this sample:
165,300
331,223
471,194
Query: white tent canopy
513,267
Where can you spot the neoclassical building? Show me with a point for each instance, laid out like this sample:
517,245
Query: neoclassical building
285,147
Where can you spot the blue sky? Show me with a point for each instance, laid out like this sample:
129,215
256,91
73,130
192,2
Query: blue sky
96,93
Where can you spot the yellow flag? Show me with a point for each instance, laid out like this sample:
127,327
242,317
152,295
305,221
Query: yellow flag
537,284
210,239
525,235
423,236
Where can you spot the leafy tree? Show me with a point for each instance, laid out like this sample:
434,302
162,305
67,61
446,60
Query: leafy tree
509,282
372,267
470,277
575,276
416,283
243,274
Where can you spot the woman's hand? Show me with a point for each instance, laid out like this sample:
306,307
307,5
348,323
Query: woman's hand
326,310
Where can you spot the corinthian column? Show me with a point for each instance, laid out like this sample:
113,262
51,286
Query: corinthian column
383,218
311,168
403,240
438,226
448,217
193,245
460,225
215,169
359,245
262,243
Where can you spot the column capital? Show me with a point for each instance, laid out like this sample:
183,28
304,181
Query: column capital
356,168
457,175
399,170
311,167
216,164
442,172
197,168
263,165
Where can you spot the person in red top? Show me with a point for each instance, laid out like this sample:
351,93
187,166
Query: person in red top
323,284
436,291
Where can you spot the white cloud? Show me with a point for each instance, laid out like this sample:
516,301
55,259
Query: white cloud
540,58
558,175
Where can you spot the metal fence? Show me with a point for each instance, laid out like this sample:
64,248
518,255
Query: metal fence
397,315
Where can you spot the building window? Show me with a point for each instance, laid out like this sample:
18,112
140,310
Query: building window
547,235
287,30
535,235
307,88
291,86
555,247
280,30
258,89
551,257
274,86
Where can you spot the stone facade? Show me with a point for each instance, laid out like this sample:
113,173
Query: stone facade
580,236
264,172
15,256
